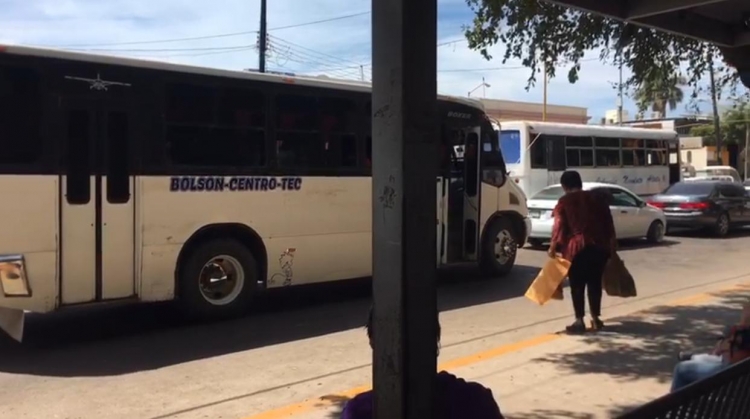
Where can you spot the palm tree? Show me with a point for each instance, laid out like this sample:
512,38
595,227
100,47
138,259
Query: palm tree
660,94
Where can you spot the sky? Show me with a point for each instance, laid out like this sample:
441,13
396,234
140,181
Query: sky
330,37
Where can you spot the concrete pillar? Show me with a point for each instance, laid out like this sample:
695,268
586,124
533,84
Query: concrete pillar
404,176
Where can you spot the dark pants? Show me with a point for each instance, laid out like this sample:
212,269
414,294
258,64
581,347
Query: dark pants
585,274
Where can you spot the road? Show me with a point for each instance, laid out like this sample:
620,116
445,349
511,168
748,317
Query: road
143,362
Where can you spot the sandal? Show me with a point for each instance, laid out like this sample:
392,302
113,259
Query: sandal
577,328
597,324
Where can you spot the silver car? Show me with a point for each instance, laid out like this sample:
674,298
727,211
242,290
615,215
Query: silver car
633,217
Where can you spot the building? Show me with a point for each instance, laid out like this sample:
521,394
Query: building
612,116
509,110
681,124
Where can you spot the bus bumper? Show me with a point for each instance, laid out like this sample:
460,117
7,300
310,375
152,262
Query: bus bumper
14,286
12,321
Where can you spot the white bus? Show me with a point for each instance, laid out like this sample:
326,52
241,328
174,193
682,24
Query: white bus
646,161
138,180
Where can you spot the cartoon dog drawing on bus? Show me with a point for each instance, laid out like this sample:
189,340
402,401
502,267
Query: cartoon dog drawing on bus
286,264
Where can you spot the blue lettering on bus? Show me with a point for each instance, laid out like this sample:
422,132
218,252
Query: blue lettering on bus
233,183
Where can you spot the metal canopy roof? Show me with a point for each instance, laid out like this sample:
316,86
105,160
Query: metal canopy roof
725,23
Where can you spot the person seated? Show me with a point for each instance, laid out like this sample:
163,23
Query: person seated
455,398
733,347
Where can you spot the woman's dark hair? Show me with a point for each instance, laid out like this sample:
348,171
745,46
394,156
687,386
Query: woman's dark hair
571,179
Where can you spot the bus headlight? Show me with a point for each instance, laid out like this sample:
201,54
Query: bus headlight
13,278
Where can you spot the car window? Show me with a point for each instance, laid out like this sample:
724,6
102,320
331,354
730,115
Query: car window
552,193
731,191
695,188
621,198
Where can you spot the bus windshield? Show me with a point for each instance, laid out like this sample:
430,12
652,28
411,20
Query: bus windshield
510,144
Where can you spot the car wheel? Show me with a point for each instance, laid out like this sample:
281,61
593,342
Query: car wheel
721,229
499,248
218,280
656,232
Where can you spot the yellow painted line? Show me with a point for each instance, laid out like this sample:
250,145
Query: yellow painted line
333,399
692,300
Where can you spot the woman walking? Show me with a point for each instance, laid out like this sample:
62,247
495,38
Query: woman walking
584,233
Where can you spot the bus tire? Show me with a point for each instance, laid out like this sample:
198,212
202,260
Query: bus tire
218,280
656,232
499,248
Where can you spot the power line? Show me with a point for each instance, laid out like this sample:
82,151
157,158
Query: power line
163,49
467,70
223,35
455,41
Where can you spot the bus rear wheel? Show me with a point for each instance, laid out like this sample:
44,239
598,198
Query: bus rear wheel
499,248
218,280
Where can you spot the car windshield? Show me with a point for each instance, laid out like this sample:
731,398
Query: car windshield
690,188
552,193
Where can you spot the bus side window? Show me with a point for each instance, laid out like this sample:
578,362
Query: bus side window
556,150
20,114
298,138
538,151
607,152
338,128
212,127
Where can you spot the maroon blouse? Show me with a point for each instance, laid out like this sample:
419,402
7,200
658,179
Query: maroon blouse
582,218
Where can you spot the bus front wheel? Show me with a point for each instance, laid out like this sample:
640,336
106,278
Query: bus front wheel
499,248
218,279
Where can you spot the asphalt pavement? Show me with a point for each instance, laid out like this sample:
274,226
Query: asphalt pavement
303,353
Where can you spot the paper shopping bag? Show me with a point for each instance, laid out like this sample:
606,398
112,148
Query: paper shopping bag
548,284
616,280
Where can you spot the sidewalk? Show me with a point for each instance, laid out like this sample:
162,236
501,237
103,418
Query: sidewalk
598,375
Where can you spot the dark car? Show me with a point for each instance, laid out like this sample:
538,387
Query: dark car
715,205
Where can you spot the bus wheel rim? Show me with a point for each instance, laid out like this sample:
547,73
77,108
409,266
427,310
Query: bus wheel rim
504,247
221,280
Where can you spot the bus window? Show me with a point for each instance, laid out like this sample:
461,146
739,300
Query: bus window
556,147
538,151
607,152
189,103
78,157
207,129
298,139
338,127
510,145
243,108
20,116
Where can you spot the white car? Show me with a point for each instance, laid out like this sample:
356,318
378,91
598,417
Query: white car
633,217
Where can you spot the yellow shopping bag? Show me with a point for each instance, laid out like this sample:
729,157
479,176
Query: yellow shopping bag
548,284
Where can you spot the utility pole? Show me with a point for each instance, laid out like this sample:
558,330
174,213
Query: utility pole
619,96
263,38
747,142
717,122
544,104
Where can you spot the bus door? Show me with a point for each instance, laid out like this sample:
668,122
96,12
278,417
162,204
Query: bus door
96,195
673,157
472,188
460,186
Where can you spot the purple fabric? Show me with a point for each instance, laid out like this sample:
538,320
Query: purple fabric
455,399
